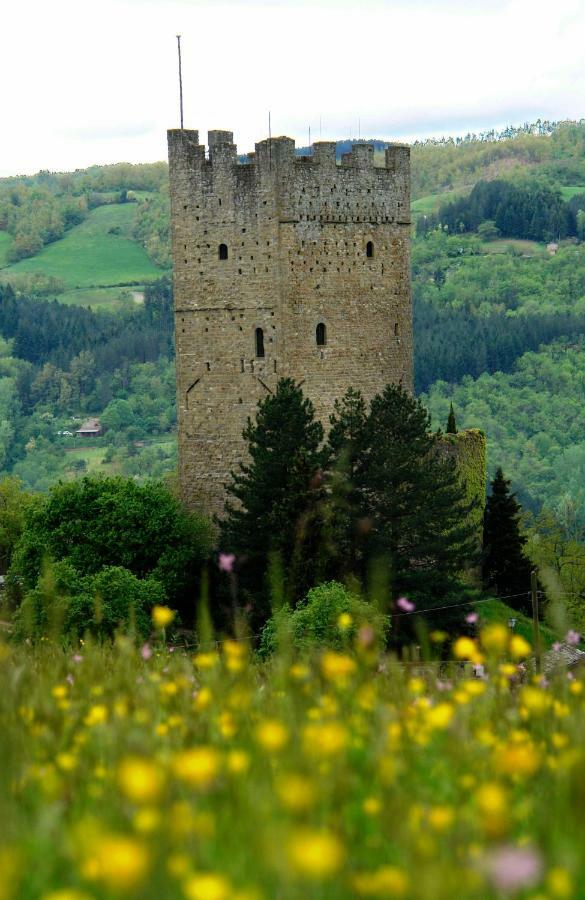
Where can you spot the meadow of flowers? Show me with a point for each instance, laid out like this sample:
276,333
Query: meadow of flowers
151,772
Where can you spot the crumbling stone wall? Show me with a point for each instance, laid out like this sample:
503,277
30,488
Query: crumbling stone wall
317,276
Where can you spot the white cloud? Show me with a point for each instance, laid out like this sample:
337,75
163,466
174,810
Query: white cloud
95,83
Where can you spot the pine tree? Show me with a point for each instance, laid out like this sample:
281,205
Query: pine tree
277,492
506,569
451,424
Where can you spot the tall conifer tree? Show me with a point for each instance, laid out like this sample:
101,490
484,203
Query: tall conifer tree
506,569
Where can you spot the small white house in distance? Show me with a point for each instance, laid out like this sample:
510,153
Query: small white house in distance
90,428
552,248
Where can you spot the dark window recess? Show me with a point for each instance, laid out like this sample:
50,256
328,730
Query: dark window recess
223,251
259,344
321,335
370,249
396,329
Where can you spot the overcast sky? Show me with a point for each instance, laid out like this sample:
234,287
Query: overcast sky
95,81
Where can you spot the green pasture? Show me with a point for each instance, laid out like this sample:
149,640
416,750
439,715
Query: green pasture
108,298
507,245
424,206
98,253
571,190
495,611
5,242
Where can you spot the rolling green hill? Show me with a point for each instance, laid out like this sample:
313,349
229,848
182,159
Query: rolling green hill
5,242
98,253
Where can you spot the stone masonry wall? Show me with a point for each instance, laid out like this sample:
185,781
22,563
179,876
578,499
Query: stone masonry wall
309,243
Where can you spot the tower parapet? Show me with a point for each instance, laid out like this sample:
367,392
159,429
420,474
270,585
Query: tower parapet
283,266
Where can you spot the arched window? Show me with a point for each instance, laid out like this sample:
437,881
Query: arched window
223,251
370,249
321,334
259,344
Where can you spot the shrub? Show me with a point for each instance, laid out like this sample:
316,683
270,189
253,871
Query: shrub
315,621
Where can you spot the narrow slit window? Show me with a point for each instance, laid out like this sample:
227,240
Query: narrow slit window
259,344
396,329
370,249
223,251
321,334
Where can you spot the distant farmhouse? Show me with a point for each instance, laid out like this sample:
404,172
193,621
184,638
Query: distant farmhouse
90,428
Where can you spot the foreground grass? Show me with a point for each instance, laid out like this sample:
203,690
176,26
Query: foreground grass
91,254
157,774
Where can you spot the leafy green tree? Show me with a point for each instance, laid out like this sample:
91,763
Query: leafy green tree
414,501
506,568
451,423
14,502
276,493
97,522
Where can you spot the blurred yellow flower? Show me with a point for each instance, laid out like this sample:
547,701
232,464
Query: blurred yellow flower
60,691
66,894
120,862
140,780
559,883
535,700
203,699
441,818
296,792
519,647
440,716
146,820
198,767
465,648
372,806
388,881
237,762
162,616
272,735
207,886
66,761
206,660
344,622
96,715
337,667
494,638
324,738
316,855
492,804
517,759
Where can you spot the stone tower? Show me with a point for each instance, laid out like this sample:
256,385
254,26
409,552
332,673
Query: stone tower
283,266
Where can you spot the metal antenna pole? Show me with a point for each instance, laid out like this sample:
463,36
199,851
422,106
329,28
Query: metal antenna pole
180,78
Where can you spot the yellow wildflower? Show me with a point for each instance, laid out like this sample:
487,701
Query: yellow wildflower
272,735
440,716
206,660
372,806
519,647
238,762
295,792
315,854
559,883
66,761
65,894
140,779
60,691
203,699
517,759
162,616
198,767
337,666
494,638
492,803
465,648
120,862
324,738
207,886
235,655
534,700
344,622
441,818
146,820
388,881
96,715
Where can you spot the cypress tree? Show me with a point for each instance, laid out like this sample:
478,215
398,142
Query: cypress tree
506,569
277,492
451,424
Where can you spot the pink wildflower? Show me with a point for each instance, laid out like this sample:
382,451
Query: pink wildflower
405,605
573,637
226,562
444,685
471,618
557,646
77,658
146,651
366,636
69,679
514,868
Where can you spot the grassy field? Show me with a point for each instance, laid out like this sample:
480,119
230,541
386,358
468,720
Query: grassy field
572,190
505,245
112,299
143,771
5,242
92,255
